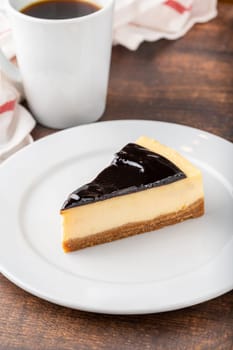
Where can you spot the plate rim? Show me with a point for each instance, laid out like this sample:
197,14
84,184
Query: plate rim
63,131
113,311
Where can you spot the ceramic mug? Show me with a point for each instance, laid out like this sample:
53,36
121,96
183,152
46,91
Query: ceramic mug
63,64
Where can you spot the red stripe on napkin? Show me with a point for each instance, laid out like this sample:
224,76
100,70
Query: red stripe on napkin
175,5
7,106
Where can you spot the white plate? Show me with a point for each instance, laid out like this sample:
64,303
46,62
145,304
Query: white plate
158,271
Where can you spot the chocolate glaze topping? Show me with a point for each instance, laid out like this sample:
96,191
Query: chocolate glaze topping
133,169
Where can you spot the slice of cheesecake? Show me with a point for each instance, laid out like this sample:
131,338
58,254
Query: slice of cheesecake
147,186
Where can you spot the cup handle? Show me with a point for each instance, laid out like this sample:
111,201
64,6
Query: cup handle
11,71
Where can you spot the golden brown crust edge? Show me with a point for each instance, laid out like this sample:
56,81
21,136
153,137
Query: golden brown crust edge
194,210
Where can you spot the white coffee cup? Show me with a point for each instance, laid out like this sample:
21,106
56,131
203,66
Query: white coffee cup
63,64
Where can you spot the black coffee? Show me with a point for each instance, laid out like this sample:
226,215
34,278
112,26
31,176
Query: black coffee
60,9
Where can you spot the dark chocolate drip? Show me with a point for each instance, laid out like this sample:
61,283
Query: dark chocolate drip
133,169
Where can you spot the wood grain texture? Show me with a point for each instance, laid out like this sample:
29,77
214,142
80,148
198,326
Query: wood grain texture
29,323
188,81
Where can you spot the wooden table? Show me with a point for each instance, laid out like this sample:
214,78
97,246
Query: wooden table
188,81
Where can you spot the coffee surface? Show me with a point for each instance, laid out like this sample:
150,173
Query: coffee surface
60,9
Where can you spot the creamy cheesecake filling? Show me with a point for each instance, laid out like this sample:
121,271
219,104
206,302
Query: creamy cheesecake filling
101,216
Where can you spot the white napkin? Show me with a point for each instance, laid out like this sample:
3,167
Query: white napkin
136,21
16,122
6,42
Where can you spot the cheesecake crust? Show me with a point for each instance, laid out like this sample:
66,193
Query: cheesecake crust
192,211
